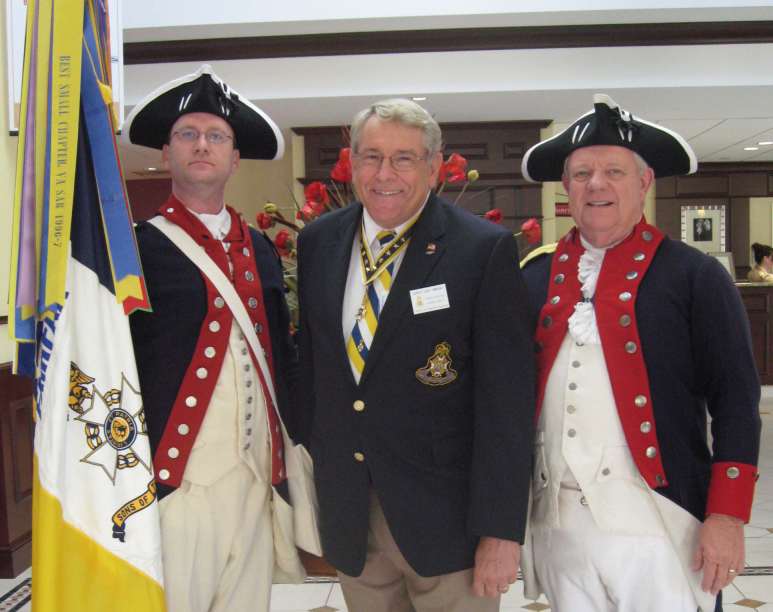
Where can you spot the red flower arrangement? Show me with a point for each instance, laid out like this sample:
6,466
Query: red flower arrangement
494,215
532,231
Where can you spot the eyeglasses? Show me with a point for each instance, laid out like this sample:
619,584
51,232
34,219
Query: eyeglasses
191,135
400,162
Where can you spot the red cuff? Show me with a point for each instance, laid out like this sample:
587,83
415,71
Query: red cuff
732,489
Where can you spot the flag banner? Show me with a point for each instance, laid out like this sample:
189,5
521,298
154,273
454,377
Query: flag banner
75,276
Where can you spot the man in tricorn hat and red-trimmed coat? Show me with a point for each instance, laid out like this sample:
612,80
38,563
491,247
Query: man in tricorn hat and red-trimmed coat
638,338
211,402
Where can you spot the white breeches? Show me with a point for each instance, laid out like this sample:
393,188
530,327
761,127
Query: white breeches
218,545
584,569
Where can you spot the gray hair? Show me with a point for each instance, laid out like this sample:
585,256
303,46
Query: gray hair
641,165
402,111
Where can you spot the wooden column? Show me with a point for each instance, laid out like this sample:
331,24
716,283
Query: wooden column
16,438
758,300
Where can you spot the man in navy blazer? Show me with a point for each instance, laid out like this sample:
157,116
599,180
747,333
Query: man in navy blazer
419,381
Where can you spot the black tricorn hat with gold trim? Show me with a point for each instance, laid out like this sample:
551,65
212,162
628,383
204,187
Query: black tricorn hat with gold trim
666,152
150,121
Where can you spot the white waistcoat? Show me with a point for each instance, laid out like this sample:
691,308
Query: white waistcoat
580,442
235,427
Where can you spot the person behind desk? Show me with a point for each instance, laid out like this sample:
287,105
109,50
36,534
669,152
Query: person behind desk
762,272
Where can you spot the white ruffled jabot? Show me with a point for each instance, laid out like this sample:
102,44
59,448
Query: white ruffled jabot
582,324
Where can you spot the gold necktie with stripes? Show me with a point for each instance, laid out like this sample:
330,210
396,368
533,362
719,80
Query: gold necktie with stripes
376,291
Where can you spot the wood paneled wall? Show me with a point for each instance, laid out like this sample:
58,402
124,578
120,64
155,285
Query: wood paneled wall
16,438
493,149
759,306
729,184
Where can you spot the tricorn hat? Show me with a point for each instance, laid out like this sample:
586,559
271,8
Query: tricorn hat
666,152
149,123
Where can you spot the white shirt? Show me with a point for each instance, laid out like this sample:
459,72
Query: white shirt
355,285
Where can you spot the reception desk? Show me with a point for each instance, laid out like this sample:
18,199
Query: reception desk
758,300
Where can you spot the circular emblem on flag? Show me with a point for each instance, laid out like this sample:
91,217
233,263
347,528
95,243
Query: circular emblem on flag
120,429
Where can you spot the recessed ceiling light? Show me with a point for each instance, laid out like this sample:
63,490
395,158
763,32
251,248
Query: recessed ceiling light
765,143
751,148
151,169
419,98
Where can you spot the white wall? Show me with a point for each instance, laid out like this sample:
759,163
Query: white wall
760,222
7,183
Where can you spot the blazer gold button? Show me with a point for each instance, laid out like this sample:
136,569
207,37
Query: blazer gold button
563,257
559,278
733,472
625,296
651,452
639,256
632,275
659,479
645,427
219,302
209,352
547,322
163,474
359,405
646,235
555,299
630,347
201,373
249,276
214,326
246,252
358,456
252,302
625,320
640,401
173,452
191,401
183,429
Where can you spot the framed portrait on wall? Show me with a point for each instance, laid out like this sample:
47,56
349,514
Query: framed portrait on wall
704,227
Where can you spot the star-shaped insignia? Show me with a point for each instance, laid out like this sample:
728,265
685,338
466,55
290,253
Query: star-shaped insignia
117,416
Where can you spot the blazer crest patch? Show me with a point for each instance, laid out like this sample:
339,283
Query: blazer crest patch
438,370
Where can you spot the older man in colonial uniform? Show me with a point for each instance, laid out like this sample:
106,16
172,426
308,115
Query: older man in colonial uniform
638,338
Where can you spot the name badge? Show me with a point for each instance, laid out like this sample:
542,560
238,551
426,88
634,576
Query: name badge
428,299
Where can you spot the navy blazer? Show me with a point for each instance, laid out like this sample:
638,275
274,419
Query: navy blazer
449,463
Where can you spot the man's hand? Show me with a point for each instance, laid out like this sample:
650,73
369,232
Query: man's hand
496,566
720,549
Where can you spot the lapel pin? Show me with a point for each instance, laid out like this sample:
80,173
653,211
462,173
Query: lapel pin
431,248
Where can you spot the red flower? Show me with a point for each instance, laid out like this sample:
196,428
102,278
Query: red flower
283,242
310,211
454,170
532,231
342,171
494,215
316,192
265,221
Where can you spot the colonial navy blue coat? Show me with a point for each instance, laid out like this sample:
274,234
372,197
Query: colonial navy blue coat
696,346
165,339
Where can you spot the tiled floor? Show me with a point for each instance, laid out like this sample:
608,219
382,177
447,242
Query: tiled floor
752,591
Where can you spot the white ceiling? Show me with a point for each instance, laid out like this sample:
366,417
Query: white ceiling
719,97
